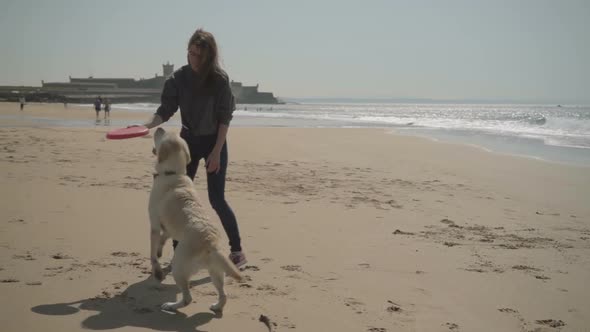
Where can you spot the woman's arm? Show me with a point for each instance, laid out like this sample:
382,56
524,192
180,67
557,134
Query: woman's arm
213,160
155,121
168,104
225,108
221,136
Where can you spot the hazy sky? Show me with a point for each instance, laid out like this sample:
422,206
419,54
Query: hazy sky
521,50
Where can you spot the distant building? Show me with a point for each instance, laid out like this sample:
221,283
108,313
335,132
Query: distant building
250,95
142,90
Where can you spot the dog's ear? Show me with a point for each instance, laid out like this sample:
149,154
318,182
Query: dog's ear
166,149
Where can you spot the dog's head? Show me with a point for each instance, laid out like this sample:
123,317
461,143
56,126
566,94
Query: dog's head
172,151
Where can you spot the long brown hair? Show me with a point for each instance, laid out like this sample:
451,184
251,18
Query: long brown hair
205,41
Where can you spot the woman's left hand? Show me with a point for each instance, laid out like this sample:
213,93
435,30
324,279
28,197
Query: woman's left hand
213,162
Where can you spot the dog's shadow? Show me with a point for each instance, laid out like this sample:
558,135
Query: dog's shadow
138,305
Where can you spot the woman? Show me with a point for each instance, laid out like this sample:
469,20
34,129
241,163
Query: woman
202,91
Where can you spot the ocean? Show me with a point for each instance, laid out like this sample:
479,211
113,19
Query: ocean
550,132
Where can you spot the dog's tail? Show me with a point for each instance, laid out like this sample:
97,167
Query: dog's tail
228,267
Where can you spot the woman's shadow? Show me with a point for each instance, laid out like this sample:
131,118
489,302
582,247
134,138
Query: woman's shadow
138,305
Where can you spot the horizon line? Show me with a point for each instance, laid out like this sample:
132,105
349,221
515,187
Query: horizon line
551,101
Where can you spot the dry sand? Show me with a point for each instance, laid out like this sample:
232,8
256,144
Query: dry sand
344,229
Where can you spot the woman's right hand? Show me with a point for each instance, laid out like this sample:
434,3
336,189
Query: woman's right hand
155,121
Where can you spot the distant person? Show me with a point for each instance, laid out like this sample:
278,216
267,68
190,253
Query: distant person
97,104
202,91
22,102
107,108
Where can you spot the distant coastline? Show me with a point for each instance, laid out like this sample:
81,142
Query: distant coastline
119,90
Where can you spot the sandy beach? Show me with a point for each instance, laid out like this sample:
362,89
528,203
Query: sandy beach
344,230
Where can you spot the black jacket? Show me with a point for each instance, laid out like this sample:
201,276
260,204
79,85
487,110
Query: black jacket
203,105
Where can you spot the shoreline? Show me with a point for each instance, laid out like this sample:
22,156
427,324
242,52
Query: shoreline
81,116
578,162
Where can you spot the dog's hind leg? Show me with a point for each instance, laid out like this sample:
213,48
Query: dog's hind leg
181,272
183,283
217,275
154,244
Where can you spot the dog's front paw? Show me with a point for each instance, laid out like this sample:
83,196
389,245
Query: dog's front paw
217,308
173,306
169,306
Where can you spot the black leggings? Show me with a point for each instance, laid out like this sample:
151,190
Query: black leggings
200,147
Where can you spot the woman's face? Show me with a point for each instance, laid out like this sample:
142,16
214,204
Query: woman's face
195,57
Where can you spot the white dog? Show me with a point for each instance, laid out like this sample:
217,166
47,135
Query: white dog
175,211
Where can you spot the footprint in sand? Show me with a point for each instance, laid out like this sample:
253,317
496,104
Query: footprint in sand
450,223
55,268
551,322
104,295
120,285
393,307
266,287
251,268
9,280
354,304
555,214
124,254
288,325
60,256
270,289
452,326
292,268
525,268
398,232
365,265
514,313
377,329
27,257
393,204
